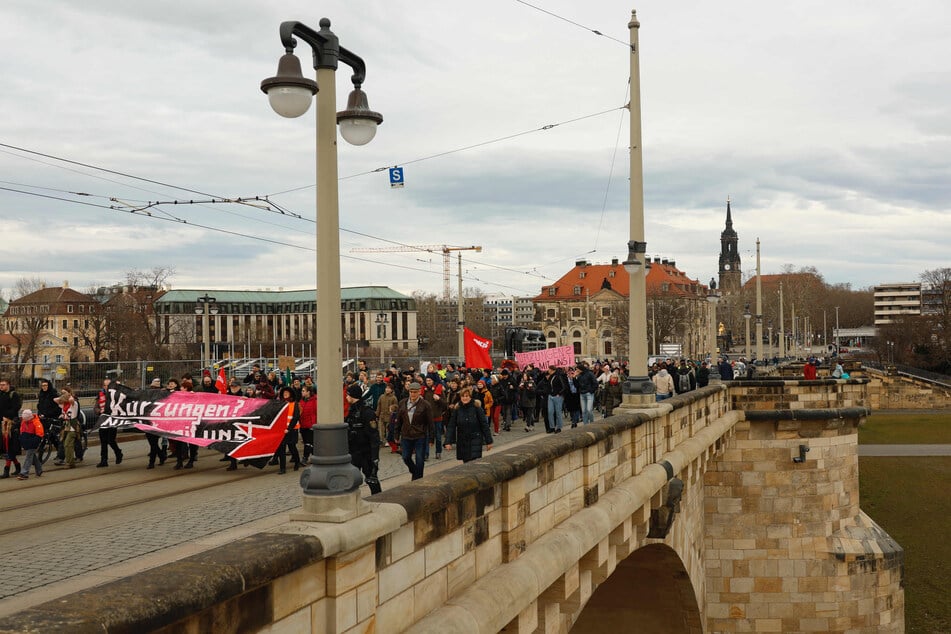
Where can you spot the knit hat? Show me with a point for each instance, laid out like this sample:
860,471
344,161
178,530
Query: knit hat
355,391
26,415
156,382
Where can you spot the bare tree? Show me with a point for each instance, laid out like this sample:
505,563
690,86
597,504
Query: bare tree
26,285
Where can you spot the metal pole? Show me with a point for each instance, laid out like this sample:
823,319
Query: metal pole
638,384
837,331
206,336
460,317
782,325
759,306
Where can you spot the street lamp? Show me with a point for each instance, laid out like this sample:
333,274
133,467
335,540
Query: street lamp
638,388
746,318
712,298
330,472
769,351
381,320
206,306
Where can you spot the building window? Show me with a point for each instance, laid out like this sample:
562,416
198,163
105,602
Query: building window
665,287
576,334
550,313
611,273
577,290
576,312
82,308
59,358
551,291
69,308
607,347
76,342
75,323
65,322
606,311
581,274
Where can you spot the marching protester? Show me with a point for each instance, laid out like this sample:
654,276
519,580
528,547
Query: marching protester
415,428
10,447
308,418
10,404
290,436
107,436
31,432
72,428
363,438
468,429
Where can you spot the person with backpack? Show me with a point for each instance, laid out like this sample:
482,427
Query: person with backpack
31,432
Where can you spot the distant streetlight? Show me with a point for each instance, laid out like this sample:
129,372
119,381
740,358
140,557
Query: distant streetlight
381,320
289,93
712,298
206,306
746,318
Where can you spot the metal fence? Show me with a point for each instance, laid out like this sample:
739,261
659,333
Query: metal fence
88,377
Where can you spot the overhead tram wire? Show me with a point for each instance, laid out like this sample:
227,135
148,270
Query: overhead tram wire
148,214
626,45
607,188
508,137
109,180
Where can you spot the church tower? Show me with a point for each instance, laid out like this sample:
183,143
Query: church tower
730,272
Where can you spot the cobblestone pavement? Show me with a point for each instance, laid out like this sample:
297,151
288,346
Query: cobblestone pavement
63,556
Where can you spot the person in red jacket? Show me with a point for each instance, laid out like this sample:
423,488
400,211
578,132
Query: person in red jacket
31,432
308,418
809,370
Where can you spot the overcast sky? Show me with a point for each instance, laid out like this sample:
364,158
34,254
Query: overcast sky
827,123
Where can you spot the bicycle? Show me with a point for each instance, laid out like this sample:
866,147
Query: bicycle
51,438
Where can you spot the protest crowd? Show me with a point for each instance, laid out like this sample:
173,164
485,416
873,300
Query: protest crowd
416,413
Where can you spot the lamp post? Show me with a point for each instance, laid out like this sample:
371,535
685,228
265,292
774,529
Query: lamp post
769,348
638,388
836,331
205,306
289,93
759,306
746,318
712,298
381,320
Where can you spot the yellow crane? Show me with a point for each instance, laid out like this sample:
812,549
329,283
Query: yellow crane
431,248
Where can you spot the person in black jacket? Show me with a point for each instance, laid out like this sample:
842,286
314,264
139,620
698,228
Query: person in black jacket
468,428
556,398
290,436
587,385
10,403
363,438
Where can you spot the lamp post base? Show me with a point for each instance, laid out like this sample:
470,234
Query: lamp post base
638,391
330,483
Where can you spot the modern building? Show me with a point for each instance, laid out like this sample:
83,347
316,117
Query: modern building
895,300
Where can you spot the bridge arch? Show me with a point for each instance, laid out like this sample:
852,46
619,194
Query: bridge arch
649,592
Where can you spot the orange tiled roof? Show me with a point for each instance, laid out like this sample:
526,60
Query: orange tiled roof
586,279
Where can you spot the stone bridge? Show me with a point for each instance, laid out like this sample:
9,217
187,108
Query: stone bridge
732,508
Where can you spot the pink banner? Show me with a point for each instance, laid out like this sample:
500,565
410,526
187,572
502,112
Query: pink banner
560,357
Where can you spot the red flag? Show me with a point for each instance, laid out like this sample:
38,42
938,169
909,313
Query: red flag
222,382
477,350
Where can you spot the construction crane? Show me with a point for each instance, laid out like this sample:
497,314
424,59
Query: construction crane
431,248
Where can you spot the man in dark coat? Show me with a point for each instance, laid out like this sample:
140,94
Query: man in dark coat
414,428
468,428
363,438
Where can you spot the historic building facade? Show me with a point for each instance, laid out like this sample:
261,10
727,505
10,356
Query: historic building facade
588,309
271,323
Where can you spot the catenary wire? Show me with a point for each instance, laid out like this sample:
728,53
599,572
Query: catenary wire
561,17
